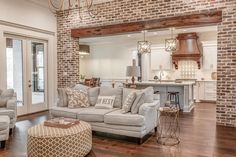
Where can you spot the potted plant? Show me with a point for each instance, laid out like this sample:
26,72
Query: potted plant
82,77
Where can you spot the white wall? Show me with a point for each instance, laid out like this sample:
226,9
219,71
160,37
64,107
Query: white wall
108,60
29,19
33,13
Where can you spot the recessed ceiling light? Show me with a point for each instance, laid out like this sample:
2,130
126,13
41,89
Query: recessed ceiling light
129,35
155,33
184,30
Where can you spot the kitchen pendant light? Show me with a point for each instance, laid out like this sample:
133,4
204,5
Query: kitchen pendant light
144,46
170,44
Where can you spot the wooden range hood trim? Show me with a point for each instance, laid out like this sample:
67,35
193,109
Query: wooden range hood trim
194,57
205,18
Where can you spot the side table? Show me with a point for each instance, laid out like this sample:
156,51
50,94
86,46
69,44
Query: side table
168,126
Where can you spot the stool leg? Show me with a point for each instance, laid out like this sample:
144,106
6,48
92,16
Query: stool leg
168,99
171,98
178,102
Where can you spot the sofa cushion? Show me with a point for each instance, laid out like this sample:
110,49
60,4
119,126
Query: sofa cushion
93,95
65,112
62,97
92,114
106,126
4,122
109,91
5,96
81,87
149,95
7,112
118,118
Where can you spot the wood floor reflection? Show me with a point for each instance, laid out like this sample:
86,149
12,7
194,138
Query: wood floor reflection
200,137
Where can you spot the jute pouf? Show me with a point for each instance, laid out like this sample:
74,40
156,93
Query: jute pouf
55,142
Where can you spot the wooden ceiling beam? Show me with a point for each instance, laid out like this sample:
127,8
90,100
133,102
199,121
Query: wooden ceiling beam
206,18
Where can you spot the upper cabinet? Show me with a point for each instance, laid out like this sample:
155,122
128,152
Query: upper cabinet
160,58
209,58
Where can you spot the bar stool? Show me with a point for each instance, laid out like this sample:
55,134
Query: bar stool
173,99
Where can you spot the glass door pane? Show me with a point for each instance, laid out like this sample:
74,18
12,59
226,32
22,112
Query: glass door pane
38,71
14,59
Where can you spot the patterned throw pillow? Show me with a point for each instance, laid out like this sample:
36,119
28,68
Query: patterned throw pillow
139,100
62,97
105,102
128,102
77,98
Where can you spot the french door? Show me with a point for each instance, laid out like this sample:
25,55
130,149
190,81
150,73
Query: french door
27,73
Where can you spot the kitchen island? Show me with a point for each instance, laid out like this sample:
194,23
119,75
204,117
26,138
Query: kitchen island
185,90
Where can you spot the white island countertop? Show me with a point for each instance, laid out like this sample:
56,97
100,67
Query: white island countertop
184,88
170,83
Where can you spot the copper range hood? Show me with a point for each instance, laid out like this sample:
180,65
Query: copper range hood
188,48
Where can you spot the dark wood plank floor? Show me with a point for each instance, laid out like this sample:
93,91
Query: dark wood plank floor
200,137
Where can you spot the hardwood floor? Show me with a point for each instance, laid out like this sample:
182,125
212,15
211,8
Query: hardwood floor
200,137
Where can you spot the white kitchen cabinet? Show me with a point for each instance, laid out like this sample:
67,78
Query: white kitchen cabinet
160,58
210,91
205,91
209,59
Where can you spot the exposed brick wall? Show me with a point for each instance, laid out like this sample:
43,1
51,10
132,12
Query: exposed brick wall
123,11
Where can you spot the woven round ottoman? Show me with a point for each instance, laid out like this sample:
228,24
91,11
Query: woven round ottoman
56,142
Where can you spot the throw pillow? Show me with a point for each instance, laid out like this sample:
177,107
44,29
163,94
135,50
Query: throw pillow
105,102
93,95
126,92
109,91
149,95
62,97
5,96
81,87
92,92
77,98
128,102
140,99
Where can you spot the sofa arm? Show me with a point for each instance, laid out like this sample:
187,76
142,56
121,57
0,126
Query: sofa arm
149,111
11,104
147,107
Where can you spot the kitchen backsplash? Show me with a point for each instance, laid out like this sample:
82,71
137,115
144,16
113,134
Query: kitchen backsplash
187,70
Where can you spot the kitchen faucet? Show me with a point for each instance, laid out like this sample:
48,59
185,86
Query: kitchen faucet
161,74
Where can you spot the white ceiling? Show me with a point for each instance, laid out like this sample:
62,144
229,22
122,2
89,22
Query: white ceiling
149,34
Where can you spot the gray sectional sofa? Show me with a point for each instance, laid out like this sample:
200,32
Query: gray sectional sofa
113,121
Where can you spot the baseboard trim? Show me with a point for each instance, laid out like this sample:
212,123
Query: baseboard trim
28,114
